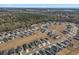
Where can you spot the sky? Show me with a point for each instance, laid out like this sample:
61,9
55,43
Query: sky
40,5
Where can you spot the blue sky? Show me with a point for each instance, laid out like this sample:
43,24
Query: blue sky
41,5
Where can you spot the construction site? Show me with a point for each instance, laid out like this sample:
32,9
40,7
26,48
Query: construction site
48,38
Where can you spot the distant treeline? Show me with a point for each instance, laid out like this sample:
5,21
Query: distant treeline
14,20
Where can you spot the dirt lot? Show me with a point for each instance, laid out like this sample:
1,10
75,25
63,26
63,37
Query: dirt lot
69,51
37,35
20,41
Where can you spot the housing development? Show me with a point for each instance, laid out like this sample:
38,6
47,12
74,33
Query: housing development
39,31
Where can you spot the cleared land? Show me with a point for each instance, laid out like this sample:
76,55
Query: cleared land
20,41
35,36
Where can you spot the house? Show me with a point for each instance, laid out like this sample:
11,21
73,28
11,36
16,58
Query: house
24,47
55,49
11,51
19,50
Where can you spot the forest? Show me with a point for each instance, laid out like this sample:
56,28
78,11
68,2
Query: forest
17,18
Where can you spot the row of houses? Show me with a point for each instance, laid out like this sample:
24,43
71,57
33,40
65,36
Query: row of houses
27,47
77,35
53,49
37,44
71,29
11,35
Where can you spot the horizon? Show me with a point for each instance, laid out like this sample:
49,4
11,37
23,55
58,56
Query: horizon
39,5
